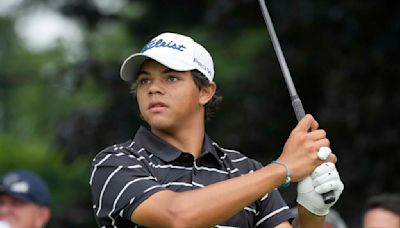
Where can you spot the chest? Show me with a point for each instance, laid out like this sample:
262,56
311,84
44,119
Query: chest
181,176
185,173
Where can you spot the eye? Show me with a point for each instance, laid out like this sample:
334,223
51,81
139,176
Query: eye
143,81
172,78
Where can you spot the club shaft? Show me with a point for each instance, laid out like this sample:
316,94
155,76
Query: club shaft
296,102
294,97
278,50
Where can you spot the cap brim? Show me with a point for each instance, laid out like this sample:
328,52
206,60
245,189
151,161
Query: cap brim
19,196
131,66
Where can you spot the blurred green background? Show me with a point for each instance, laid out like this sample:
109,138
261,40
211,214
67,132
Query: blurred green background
61,99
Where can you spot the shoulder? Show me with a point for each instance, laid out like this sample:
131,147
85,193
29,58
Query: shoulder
238,158
121,151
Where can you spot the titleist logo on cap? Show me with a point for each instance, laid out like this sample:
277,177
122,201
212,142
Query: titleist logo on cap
155,43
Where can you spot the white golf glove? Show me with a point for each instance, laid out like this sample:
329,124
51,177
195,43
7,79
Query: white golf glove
324,179
4,224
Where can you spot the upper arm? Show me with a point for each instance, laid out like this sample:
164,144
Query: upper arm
151,213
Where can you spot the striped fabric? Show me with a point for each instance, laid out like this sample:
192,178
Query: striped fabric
126,174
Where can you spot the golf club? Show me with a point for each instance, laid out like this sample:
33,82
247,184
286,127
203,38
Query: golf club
328,197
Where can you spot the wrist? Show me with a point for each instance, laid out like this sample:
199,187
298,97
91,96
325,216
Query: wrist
308,219
287,178
312,209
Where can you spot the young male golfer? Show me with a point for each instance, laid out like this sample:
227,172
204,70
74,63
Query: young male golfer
171,174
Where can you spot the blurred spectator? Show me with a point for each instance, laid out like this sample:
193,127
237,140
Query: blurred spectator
382,211
332,220
24,200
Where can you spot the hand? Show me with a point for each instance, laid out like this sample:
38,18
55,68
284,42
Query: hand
324,179
300,150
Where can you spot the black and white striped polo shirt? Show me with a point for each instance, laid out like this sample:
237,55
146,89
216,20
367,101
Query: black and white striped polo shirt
126,174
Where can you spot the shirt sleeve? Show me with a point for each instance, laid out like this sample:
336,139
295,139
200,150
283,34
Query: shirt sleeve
119,182
272,209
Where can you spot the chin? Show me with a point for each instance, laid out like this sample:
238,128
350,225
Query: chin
160,124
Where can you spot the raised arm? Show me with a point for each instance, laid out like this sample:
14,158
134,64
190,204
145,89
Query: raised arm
216,203
210,205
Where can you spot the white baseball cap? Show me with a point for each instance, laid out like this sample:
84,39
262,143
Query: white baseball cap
175,51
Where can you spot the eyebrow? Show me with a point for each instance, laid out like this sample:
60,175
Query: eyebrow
142,72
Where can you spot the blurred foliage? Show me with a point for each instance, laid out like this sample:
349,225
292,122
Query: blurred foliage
61,105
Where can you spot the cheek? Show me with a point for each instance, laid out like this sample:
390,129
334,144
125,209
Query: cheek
25,217
141,102
189,100
180,95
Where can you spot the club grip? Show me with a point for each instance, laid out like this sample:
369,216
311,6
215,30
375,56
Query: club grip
329,197
298,107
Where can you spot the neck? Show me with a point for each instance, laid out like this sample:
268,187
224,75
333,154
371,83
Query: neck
187,138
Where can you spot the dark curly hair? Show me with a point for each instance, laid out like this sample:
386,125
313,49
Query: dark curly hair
201,81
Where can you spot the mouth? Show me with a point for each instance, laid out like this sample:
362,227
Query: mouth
157,107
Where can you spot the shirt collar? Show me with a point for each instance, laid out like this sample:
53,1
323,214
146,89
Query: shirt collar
155,145
165,151
210,147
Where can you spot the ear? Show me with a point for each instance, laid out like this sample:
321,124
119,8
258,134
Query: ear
43,216
207,92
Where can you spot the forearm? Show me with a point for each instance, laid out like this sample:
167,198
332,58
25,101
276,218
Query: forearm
212,204
307,219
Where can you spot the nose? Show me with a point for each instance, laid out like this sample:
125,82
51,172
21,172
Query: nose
156,87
